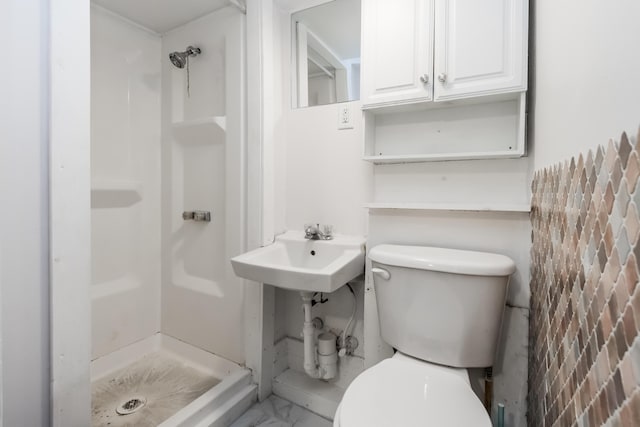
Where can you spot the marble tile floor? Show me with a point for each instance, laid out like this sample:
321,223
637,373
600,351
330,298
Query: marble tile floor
277,412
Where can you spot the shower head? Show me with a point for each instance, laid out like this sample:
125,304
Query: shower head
179,59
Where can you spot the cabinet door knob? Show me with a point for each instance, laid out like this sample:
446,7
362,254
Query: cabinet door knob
424,78
442,77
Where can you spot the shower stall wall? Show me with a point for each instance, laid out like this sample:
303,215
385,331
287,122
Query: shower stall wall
125,183
166,306
202,170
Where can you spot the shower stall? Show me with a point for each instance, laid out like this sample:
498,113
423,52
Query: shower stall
167,212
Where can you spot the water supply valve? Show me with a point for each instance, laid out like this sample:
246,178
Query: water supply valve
198,216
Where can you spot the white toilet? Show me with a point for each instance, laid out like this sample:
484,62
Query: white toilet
442,310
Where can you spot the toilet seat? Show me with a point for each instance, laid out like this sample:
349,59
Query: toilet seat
402,391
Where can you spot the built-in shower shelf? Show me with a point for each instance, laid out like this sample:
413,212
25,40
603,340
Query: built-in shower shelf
468,207
200,131
115,193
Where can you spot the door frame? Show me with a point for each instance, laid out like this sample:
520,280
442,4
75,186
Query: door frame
70,211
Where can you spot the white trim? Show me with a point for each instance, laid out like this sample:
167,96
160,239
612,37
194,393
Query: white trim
293,6
460,207
128,21
301,39
258,335
70,244
254,123
192,356
238,4
340,79
1,353
230,9
323,49
323,71
305,39
300,65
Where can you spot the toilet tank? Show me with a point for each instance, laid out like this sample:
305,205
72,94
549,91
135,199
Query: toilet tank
441,305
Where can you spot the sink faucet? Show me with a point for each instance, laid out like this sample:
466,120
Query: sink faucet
312,232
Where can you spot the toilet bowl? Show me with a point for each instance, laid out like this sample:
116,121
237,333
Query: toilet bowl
406,392
442,310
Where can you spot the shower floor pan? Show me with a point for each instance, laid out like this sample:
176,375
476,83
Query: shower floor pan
161,381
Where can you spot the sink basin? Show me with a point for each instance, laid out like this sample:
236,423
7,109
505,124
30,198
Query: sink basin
293,262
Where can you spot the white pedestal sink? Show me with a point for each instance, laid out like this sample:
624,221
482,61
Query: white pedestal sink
295,263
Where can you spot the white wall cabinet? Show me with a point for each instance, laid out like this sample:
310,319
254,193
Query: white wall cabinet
480,48
444,79
397,51
441,50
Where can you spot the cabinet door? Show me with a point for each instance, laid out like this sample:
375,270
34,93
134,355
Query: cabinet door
481,47
397,51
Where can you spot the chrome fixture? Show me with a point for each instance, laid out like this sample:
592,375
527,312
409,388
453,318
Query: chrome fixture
131,405
424,78
347,347
198,216
180,59
313,232
442,77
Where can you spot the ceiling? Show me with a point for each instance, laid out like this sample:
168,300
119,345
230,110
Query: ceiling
161,15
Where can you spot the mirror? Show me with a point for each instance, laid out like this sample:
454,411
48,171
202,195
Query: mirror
326,53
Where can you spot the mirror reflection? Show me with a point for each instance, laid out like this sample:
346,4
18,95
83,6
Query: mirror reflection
327,53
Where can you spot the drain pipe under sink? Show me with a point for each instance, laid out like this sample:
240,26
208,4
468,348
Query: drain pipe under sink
328,356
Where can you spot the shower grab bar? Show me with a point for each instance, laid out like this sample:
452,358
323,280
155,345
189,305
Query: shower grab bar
198,216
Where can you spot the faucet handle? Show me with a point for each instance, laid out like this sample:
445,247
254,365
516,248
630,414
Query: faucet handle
310,229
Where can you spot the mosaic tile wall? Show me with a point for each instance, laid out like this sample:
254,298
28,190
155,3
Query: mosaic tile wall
584,360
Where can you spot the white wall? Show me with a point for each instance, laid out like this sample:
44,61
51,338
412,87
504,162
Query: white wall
504,233
44,141
203,169
490,183
125,175
24,250
319,177
584,86
326,182
326,179
484,182
315,162
586,68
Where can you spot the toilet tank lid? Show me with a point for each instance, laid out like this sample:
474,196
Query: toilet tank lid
443,260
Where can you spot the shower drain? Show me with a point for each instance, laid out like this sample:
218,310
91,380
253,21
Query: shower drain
131,405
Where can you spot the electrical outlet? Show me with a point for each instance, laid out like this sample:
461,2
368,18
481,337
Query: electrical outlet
344,117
